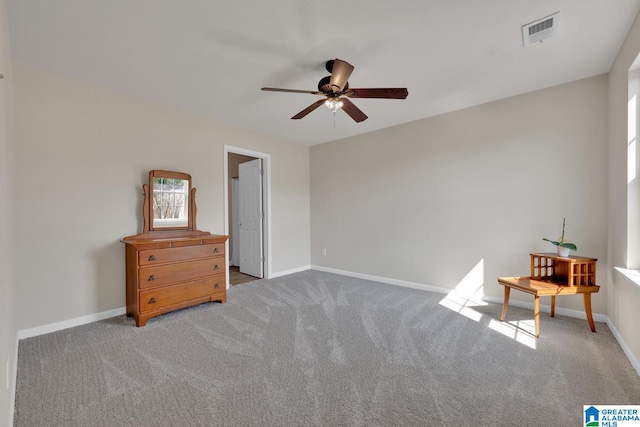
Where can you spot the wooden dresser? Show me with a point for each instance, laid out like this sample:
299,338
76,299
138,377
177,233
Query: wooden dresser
172,265
171,273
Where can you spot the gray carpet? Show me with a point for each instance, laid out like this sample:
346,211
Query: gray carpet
319,349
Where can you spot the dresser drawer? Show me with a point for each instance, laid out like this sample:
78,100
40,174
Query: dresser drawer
154,299
158,275
161,256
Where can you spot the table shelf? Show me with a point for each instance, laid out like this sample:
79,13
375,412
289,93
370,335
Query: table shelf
553,275
568,271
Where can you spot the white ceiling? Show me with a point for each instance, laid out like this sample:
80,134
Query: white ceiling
212,56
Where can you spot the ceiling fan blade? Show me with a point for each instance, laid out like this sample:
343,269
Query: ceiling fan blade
387,93
340,75
354,112
275,89
309,109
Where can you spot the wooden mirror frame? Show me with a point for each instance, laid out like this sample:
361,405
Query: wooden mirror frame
147,208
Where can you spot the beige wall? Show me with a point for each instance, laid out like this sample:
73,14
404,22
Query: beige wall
83,153
623,295
427,202
471,191
7,235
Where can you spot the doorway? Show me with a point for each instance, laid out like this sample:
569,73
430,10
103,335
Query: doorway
247,222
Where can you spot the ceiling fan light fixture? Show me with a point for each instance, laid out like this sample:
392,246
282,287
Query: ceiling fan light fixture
334,104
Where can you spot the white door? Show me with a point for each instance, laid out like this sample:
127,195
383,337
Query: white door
235,221
250,223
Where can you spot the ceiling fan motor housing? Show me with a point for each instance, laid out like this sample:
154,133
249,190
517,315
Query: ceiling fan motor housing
329,65
324,85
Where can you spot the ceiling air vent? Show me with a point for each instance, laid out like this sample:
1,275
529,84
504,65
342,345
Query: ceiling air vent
542,29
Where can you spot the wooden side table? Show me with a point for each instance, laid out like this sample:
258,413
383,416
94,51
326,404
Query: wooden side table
552,275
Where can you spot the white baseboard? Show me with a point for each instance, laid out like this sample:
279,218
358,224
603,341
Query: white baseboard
14,380
627,351
512,302
45,329
516,303
53,327
58,326
547,309
290,271
388,280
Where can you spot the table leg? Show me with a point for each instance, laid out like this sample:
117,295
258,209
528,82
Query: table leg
587,310
505,303
553,305
536,314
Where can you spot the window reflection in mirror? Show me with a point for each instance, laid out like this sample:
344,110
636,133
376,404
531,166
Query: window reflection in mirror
169,200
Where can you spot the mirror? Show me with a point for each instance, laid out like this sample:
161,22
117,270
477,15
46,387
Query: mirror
169,197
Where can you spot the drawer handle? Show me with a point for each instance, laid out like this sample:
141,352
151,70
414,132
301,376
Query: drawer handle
152,300
216,267
152,277
216,286
152,258
216,250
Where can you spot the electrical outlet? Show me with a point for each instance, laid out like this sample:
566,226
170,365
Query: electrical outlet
324,252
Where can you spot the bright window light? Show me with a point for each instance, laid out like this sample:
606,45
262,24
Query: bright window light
632,140
632,119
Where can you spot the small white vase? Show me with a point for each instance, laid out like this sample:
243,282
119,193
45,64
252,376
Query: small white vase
563,252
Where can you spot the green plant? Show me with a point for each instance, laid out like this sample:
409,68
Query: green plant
561,242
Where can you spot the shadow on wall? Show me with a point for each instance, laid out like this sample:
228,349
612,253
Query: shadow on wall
110,277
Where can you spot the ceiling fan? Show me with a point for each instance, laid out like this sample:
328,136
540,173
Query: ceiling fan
337,92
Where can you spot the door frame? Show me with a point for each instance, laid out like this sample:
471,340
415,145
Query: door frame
266,200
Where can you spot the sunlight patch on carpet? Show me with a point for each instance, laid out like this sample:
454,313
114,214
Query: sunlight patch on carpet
523,331
467,294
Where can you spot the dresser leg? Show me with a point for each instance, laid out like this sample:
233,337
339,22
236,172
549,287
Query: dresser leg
553,306
140,320
587,310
